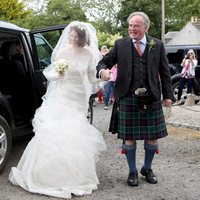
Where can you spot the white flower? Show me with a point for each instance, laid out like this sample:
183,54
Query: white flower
60,65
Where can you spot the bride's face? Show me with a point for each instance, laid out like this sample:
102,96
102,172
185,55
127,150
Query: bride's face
74,38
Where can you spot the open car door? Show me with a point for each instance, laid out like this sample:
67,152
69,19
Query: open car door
43,42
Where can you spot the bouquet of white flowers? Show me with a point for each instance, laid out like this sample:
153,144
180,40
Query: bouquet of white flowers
60,66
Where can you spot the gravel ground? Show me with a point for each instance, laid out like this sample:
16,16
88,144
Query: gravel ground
182,116
177,166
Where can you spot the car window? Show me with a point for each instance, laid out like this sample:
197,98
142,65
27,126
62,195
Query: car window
12,62
44,51
175,57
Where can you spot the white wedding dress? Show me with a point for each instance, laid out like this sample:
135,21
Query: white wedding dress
60,159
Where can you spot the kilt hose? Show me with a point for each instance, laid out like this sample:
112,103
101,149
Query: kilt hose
137,118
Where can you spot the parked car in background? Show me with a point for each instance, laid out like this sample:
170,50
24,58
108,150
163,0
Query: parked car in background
175,55
22,83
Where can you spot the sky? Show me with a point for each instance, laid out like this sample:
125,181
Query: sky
34,4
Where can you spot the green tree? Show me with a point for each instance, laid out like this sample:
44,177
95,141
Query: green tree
104,26
151,7
55,12
12,10
103,13
107,39
178,13
39,6
63,11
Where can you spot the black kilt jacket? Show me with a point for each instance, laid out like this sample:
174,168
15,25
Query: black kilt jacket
130,117
158,73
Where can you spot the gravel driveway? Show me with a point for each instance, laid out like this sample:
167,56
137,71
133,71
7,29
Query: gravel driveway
177,168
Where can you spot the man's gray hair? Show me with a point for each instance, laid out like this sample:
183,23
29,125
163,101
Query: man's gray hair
143,15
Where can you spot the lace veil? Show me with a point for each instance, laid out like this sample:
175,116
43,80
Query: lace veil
91,37
91,44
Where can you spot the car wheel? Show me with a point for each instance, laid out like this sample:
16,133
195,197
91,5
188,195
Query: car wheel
5,143
90,112
175,92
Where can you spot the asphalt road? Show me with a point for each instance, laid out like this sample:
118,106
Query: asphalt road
177,168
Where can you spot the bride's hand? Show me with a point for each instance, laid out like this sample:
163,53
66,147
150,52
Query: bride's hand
62,75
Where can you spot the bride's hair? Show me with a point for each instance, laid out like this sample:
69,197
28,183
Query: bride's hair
82,38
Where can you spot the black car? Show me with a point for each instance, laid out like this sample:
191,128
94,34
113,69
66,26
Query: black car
22,83
175,55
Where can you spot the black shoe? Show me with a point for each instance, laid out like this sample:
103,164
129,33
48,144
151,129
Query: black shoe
132,179
149,175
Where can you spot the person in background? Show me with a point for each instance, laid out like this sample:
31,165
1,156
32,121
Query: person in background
109,88
100,96
142,69
187,75
101,93
104,50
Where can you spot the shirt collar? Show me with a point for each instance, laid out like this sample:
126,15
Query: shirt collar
143,40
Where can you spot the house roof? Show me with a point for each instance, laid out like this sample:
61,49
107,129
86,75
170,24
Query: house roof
189,34
171,34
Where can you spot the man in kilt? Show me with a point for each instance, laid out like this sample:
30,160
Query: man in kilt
143,73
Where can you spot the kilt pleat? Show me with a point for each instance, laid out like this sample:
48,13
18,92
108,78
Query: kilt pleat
136,118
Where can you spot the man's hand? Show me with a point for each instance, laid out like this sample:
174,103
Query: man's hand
167,102
105,75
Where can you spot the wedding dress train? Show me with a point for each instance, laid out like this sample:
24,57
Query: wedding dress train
60,160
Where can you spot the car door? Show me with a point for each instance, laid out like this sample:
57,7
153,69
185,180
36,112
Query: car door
43,42
15,72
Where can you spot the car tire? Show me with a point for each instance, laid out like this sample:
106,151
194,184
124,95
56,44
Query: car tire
5,143
175,92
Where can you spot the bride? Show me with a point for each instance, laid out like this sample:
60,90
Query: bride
60,160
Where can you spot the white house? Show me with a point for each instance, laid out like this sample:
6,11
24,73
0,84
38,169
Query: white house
189,34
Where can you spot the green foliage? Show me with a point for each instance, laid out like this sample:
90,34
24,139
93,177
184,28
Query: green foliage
107,39
178,13
108,17
12,10
173,22
57,12
151,7
63,11
103,26
101,10
52,37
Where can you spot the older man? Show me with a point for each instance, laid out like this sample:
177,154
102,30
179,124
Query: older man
137,112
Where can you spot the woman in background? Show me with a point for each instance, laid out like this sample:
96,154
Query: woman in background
187,75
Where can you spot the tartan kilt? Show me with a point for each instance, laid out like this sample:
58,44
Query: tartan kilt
136,118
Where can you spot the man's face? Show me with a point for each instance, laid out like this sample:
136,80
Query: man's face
137,28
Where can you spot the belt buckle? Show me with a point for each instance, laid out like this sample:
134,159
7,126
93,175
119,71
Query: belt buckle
140,91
